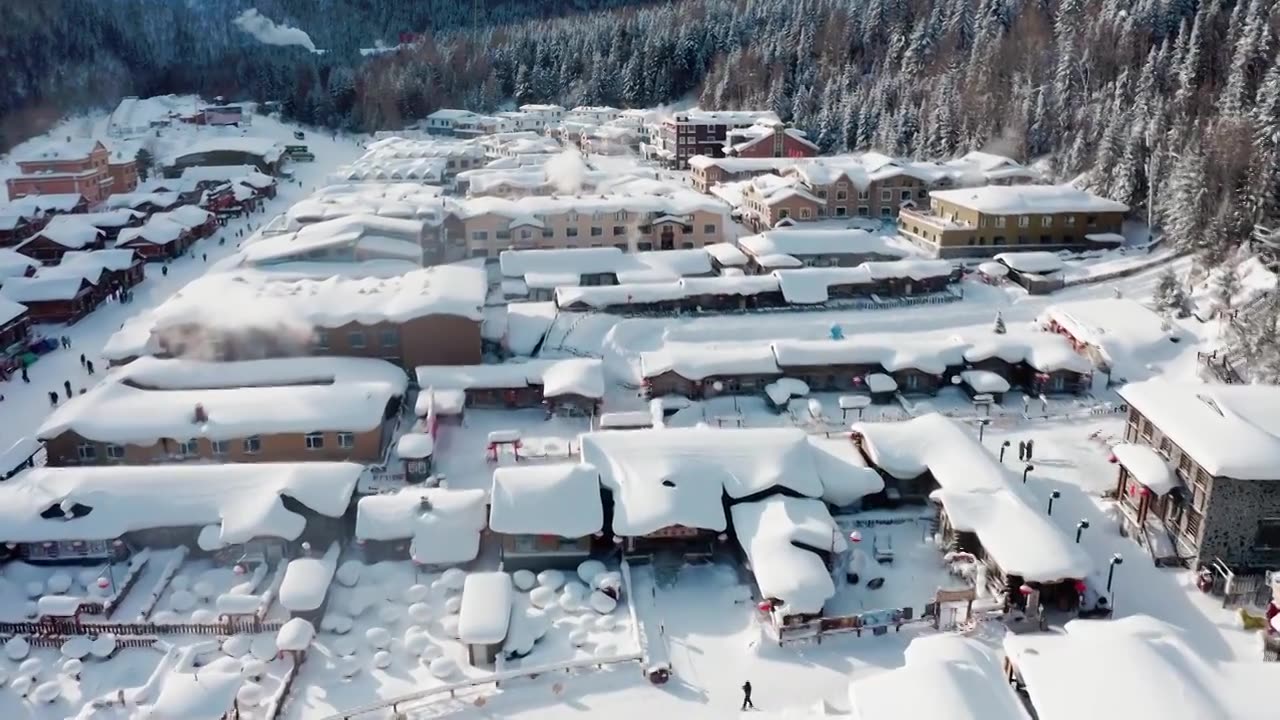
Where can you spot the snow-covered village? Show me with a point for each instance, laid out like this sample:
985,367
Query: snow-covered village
548,401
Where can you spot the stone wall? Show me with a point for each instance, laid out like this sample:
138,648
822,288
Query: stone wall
1231,523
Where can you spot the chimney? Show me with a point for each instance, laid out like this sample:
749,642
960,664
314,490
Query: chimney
201,416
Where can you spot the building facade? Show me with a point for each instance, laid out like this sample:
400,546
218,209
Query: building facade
686,134
84,168
990,220
488,234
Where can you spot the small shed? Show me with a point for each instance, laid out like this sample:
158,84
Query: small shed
485,615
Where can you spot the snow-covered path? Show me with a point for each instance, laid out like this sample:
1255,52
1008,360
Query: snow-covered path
26,405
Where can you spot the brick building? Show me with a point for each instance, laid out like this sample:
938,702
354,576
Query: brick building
701,132
83,167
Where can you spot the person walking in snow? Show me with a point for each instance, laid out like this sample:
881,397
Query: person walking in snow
53,399
66,384
25,379
1022,449
82,360
88,364
164,270
204,257
746,696
1030,446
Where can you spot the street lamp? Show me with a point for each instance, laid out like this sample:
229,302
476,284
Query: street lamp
1080,528
1003,446
982,427
1053,496
1026,470
1116,559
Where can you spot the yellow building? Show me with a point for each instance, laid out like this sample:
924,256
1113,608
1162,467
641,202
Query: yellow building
994,219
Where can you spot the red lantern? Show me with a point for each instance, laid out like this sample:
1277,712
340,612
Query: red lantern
855,536
1113,459
1081,586
238,569
1026,589
765,606
103,583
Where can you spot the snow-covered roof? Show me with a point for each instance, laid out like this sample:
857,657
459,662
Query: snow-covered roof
697,361
1038,262
227,173
780,536
68,150
673,202
10,310
296,634
583,261
726,254
151,398
1046,352
156,231
652,292
138,199
450,114
726,117
561,499
1230,430
15,264
1105,659
485,614
249,299
1124,331
1146,466
415,446
70,231
574,376
776,188
33,205
661,477
805,242
208,693
43,289
360,234
93,261
812,285
188,216
108,218
105,502
944,676
444,525
266,148
979,494
59,605
1028,200
306,581
984,381
736,165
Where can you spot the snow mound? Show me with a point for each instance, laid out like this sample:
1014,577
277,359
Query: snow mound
527,627
553,579
589,569
443,667
103,645
524,579
253,668
389,614
378,637
382,659
59,583
415,644
250,695
453,605
336,623
296,634
416,593
602,603
542,596
453,578
605,623
348,573
264,648
236,645
578,637
47,692
420,612
449,624
76,647
182,601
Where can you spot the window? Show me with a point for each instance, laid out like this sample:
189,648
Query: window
822,194
686,246
221,447
525,233
572,217
1268,535
864,194
886,212
1024,221
842,195
784,213
905,195
322,339
356,338
1046,239
886,195
1071,221
189,448
620,215
619,230
1166,447
115,452
863,211
480,235
346,440
1000,221
314,441
571,232
644,245
1046,221
252,444
390,337
709,229
548,232
1091,220
1191,523
841,211
87,451
596,231
805,213
503,234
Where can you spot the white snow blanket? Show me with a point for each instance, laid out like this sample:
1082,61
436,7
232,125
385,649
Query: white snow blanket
443,525
153,398
574,376
979,494
296,634
1147,467
1103,656
244,499
558,499
1126,335
780,535
486,608
1231,430
307,579
661,478
944,676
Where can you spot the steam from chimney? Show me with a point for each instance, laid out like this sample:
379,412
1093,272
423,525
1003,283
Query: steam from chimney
566,171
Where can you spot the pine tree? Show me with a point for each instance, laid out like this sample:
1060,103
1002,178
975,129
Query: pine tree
1169,297
998,328
1226,285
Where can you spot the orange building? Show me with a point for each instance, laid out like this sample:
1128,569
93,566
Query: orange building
82,167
